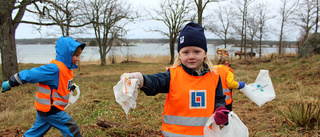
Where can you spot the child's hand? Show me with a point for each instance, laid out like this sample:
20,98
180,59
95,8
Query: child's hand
221,115
241,84
134,75
126,75
73,87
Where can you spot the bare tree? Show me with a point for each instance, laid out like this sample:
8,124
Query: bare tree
221,25
287,9
8,27
305,18
11,14
108,20
173,14
253,28
243,8
262,13
317,16
200,8
65,14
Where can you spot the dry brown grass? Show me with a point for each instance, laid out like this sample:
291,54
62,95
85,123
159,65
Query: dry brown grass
141,59
294,80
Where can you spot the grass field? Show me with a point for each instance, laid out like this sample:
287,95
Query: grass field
296,83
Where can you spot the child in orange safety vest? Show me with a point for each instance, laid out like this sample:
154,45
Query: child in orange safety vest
193,87
55,83
227,77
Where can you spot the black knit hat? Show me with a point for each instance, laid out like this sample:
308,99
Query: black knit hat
192,35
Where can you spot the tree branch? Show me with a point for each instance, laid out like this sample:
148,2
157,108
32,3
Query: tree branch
22,8
53,23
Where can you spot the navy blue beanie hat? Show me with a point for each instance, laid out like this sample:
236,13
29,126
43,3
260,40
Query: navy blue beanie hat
192,35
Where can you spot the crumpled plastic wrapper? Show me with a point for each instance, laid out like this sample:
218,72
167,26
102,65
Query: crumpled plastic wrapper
126,92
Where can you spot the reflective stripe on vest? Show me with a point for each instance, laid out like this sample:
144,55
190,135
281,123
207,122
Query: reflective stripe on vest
43,101
44,90
168,134
60,103
56,95
186,121
227,92
189,103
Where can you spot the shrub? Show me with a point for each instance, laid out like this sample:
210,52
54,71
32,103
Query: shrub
303,114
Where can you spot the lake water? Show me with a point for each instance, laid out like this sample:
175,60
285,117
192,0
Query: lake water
43,54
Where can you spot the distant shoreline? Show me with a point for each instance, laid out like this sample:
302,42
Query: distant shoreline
87,40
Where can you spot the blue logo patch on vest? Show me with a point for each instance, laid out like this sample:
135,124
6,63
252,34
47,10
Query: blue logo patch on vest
198,99
69,84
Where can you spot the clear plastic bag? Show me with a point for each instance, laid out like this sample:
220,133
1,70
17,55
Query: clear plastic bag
261,91
126,92
235,128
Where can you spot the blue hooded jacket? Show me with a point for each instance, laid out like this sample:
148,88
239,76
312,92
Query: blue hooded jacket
49,74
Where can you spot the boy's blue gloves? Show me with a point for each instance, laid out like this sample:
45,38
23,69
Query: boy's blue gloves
241,84
5,86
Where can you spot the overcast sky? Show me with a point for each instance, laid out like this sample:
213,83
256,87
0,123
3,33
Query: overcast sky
137,30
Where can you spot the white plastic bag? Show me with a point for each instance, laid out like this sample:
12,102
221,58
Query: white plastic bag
126,92
235,128
73,99
215,131
261,91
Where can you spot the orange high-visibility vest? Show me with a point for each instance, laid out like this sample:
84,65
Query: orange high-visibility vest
189,103
223,71
60,96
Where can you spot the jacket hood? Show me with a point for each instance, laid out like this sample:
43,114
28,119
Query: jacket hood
65,48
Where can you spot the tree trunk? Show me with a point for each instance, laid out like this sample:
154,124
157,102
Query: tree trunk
242,30
200,11
103,59
260,45
280,40
245,38
317,17
251,49
225,39
7,43
102,53
172,41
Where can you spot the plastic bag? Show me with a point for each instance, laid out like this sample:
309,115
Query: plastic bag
73,99
261,91
126,92
235,128
215,131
